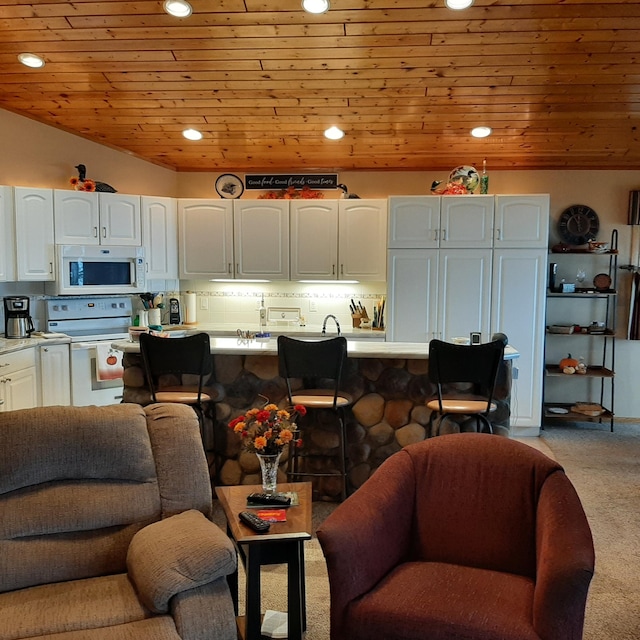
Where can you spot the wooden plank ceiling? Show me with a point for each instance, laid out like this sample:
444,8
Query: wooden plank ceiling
558,82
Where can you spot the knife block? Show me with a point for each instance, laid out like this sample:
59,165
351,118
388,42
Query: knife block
356,318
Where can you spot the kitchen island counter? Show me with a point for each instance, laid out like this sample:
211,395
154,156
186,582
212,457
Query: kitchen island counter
355,348
389,384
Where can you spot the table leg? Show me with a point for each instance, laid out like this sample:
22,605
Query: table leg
295,591
252,604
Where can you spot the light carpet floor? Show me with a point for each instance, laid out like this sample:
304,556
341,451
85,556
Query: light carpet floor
605,469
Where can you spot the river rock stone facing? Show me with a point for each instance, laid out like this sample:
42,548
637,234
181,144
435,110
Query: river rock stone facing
387,414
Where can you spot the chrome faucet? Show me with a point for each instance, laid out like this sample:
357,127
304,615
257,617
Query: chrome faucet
324,324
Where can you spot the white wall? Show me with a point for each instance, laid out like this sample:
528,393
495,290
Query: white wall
38,155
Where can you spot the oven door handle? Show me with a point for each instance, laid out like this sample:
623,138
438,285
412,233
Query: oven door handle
82,346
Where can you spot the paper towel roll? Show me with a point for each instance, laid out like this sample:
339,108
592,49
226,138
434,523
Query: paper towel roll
190,308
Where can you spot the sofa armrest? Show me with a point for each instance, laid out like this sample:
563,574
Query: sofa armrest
177,554
369,534
565,561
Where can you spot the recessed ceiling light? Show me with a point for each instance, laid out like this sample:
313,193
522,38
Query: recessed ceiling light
333,133
456,5
177,8
316,6
192,134
31,60
481,132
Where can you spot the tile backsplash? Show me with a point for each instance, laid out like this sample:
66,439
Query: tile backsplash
239,304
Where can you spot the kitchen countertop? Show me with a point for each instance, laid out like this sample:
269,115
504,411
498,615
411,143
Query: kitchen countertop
8,345
355,348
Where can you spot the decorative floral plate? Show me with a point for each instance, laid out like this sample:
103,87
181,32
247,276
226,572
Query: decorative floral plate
229,186
465,175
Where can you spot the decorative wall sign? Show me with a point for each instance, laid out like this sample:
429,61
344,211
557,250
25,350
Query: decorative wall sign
296,180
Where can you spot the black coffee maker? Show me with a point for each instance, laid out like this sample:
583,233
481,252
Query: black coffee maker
17,321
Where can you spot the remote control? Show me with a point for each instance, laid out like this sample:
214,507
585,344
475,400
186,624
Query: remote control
255,523
269,499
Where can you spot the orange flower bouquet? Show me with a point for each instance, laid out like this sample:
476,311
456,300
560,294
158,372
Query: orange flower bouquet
266,431
82,185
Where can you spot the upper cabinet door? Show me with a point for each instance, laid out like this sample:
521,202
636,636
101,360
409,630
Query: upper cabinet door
466,221
120,220
522,222
362,240
261,239
34,233
7,236
205,234
414,222
314,240
160,236
76,215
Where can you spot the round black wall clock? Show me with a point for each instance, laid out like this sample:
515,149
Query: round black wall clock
578,224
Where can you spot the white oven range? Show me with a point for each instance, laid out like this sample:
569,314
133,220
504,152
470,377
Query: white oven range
92,323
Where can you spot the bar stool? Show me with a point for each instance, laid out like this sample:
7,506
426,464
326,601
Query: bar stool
176,371
476,364
317,367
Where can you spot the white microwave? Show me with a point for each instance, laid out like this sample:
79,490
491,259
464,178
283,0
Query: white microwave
95,270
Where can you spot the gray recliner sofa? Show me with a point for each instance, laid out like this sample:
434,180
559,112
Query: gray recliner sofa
105,529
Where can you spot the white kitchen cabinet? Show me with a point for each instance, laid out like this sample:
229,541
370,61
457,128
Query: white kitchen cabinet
7,236
464,293
261,239
450,222
466,222
314,240
362,239
412,295
97,218
338,240
522,221
414,222
438,294
518,311
18,380
160,237
55,375
205,232
35,251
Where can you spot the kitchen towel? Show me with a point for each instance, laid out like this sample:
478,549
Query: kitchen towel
190,308
108,362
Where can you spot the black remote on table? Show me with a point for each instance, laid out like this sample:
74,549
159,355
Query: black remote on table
254,522
269,499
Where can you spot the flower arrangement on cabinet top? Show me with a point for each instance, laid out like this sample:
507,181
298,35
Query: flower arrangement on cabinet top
266,431
82,185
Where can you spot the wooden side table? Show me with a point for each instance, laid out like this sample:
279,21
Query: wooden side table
282,544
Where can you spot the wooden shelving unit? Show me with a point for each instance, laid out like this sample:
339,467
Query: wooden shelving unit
599,379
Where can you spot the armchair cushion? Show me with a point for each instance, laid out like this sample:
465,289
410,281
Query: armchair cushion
180,553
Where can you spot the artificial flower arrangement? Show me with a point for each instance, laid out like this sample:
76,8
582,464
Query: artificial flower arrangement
291,193
82,185
266,431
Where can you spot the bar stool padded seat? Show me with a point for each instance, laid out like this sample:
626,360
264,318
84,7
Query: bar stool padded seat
321,399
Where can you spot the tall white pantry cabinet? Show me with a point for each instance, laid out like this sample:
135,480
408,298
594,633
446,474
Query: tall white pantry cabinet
458,264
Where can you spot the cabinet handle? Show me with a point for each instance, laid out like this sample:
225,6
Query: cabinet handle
1,401
342,269
435,234
498,234
146,267
46,350
237,267
5,364
333,269
51,267
104,232
95,232
444,234
229,269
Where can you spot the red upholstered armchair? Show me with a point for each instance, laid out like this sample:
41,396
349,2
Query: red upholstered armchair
465,536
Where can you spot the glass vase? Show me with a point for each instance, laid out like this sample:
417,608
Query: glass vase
269,468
